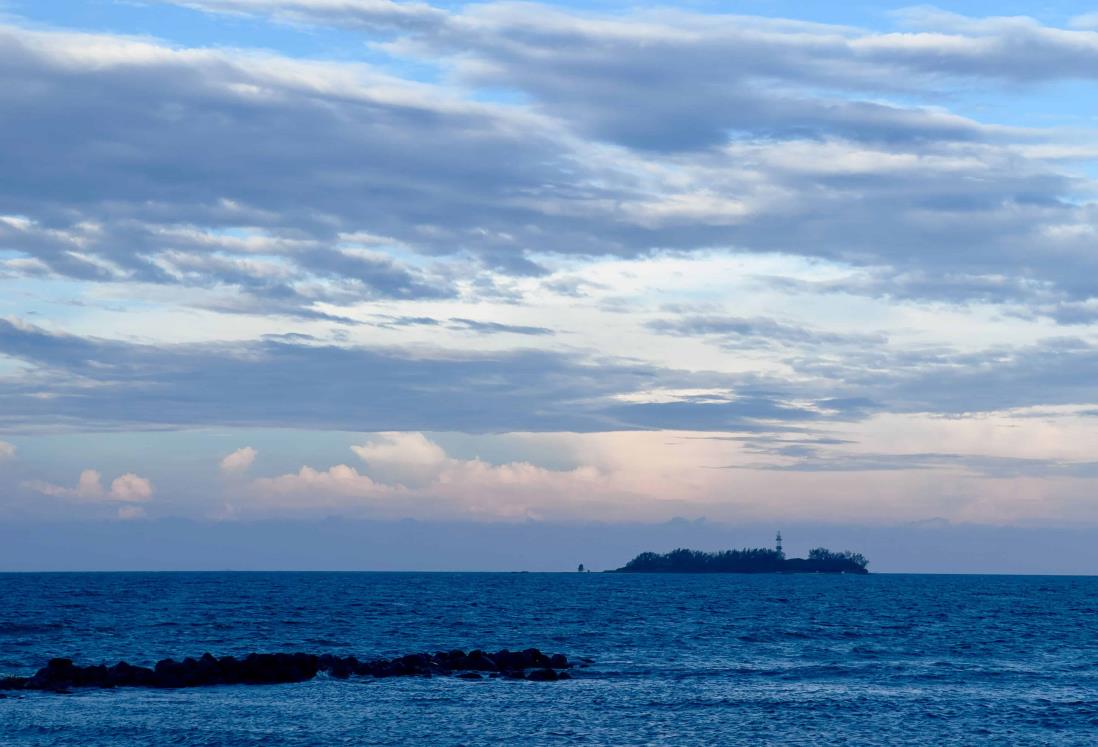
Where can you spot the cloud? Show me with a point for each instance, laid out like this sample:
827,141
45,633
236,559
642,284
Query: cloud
287,383
942,379
131,488
758,332
490,328
89,486
239,461
409,474
691,132
340,480
7,451
127,488
403,458
811,459
665,79
689,85
402,163
465,325
361,14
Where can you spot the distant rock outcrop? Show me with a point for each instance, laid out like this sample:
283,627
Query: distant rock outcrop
61,675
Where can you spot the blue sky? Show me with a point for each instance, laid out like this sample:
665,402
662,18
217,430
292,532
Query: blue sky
518,262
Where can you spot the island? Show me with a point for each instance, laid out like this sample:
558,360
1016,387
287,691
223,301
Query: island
748,560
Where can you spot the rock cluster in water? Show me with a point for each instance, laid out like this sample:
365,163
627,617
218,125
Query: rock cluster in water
60,675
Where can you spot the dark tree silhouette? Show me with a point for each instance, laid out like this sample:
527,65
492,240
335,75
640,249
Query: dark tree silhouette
747,560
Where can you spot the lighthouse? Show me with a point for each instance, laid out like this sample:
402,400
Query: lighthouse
778,545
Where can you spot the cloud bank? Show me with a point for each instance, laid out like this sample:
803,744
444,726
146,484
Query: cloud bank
802,244
690,132
127,488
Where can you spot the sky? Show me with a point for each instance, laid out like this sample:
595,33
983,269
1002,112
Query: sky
507,265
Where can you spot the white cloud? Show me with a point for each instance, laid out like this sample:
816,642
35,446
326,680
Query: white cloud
421,479
89,486
310,488
7,451
239,461
127,488
404,458
401,448
130,487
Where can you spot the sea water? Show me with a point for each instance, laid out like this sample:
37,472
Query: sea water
678,659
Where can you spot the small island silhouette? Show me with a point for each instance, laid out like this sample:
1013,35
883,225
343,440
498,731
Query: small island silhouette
747,560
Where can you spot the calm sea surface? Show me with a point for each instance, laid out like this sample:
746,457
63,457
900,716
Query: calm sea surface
685,659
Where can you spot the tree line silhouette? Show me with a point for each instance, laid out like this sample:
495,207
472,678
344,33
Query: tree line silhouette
747,560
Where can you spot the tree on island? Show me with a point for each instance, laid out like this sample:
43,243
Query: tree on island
747,560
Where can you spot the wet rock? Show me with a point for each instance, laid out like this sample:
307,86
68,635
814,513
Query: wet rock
536,658
480,661
268,669
124,674
59,675
543,675
13,683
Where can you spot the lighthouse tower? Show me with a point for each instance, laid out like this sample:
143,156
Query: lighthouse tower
778,545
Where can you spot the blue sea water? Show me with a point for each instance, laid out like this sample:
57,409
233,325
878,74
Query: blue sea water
679,659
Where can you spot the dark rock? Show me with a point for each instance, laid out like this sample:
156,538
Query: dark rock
536,658
167,673
416,661
453,659
95,676
509,660
269,669
123,674
13,683
481,662
59,675
543,675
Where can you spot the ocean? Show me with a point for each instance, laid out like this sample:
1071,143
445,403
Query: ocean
678,659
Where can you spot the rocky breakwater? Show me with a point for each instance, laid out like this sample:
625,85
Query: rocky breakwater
62,675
